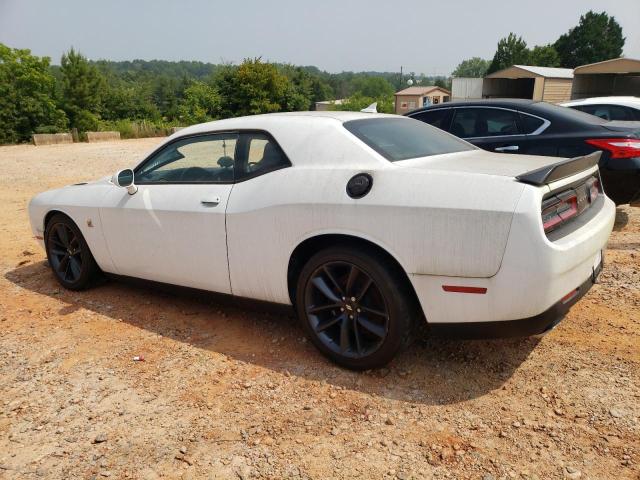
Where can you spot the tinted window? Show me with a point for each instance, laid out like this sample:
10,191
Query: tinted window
556,112
202,159
263,155
530,124
403,138
609,112
484,122
437,118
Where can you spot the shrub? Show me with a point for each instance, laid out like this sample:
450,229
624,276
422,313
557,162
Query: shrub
86,121
137,129
50,129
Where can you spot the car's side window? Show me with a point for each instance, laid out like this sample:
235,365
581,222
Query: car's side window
485,122
262,155
438,118
200,159
530,124
609,112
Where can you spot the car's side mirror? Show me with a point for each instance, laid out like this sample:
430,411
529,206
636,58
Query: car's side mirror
124,178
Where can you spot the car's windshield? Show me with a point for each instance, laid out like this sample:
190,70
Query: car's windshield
404,138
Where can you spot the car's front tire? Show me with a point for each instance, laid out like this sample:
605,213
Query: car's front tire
355,309
68,254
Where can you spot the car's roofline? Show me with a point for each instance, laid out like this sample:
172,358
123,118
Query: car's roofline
491,102
262,121
621,100
556,114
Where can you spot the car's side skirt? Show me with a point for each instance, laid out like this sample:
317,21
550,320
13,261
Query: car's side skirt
219,298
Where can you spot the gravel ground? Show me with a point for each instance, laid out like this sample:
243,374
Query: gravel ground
225,392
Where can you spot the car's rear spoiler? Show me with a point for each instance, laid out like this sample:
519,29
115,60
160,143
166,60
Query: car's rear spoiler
557,171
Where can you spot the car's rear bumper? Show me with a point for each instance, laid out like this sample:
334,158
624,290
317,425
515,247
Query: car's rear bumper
535,275
523,327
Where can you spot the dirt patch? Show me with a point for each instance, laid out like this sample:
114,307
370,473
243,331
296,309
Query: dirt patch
225,392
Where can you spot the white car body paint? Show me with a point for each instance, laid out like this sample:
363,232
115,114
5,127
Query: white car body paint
458,218
179,240
632,102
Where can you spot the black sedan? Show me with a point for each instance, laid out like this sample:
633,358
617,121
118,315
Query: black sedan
539,128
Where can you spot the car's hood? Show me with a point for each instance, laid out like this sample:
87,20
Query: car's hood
482,162
100,181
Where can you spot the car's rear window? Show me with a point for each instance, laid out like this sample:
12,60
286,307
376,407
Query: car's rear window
404,138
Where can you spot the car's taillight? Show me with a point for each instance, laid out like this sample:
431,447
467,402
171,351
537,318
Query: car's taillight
558,209
617,147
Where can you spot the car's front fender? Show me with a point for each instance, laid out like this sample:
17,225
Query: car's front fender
81,204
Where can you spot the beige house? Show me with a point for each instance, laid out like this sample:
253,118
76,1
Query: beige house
618,76
524,81
416,97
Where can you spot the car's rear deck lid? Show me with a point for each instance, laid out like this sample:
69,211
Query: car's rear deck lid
557,171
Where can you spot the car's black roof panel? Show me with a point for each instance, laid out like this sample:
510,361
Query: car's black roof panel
561,117
503,102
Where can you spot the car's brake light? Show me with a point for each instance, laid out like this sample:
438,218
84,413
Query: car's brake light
617,147
558,209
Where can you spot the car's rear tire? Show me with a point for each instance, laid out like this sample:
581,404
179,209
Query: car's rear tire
68,254
356,310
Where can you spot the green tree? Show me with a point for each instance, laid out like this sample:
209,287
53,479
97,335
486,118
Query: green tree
443,83
251,88
166,95
201,103
320,90
512,50
597,37
299,94
134,101
357,102
373,87
544,56
127,97
473,67
82,90
27,96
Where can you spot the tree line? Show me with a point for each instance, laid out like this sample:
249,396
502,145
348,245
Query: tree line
597,37
145,98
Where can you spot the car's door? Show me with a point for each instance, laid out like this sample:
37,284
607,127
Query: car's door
491,128
173,228
258,253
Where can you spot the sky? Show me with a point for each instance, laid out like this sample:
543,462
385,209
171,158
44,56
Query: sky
422,36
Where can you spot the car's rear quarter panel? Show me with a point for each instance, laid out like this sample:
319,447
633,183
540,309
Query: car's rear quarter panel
432,223
536,272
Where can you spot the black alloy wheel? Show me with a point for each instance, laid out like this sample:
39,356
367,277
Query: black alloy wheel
65,258
346,309
68,254
355,309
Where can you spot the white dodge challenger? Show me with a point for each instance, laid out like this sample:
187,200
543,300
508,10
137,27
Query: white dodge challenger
366,223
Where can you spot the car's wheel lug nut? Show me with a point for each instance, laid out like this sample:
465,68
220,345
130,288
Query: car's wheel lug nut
353,299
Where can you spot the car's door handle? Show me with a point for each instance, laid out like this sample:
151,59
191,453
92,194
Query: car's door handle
508,148
210,202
